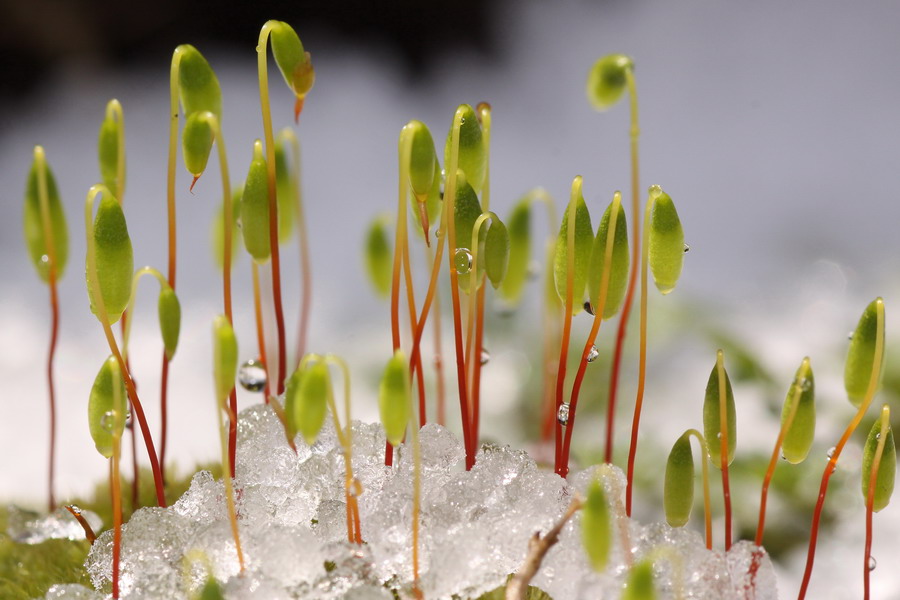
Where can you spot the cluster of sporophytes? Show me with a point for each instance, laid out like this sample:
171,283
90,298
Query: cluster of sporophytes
592,270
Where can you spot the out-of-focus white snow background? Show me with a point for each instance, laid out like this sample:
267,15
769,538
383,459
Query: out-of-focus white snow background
773,126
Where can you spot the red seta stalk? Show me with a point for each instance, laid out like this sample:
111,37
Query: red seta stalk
54,336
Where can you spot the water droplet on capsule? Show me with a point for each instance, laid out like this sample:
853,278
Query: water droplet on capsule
592,354
588,308
437,232
463,260
872,563
108,420
485,356
45,259
252,376
687,248
719,435
830,452
850,336
562,415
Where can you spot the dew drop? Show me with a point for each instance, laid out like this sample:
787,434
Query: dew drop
588,308
592,354
719,435
463,260
830,452
878,436
129,422
437,232
354,488
562,415
45,259
108,420
872,563
687,248
850,336
252,376
485,356
805,384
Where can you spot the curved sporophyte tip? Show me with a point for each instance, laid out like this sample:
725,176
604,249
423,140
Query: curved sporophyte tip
607,80
293,61
198,86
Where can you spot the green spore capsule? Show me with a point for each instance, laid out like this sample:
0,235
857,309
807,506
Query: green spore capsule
310,404
211,590
618,276
169,310
711,418
196,142
422,159
596,527
284,192
394,398
519,229
33,225
106,407
496,252
861,355
379,257
293,61
887,468
114,258
255,207
798,438
607,80
225,357
198,86
640,582
584,241
666,241
678,490
467,209
217,229
472,156
108,147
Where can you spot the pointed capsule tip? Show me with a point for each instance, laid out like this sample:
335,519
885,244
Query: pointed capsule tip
423,215
191,189
298,108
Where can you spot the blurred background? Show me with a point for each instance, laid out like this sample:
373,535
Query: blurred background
773,126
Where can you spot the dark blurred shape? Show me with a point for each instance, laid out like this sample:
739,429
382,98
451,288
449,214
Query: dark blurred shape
39,35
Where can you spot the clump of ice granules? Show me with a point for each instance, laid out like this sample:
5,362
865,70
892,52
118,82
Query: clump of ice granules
475,527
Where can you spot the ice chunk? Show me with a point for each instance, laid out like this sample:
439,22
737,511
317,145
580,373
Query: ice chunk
72,591
28,527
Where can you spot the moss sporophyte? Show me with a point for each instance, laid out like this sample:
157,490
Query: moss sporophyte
585,269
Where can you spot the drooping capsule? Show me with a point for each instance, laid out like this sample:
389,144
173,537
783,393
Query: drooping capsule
861,354
618,276
596,527
169,311
225,357
678,489
666,241
379,257
394,398
255,208
496,252
798,438
33,225
106,407
607,80
293,61
712,426
887,469
198,86
114,258
472,157
196,142
584,239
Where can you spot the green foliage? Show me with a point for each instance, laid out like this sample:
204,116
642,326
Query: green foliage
198,86
225,357
255,208
33,225
618,277
640,582
584,238
196,141
519,229
108,147
861,355
379,257
496,252
607,80
596,527
394,398
106,407
169,310
711,418
472,154
887,469
666,241
309,404
799,436
293,62
678,492
114,258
